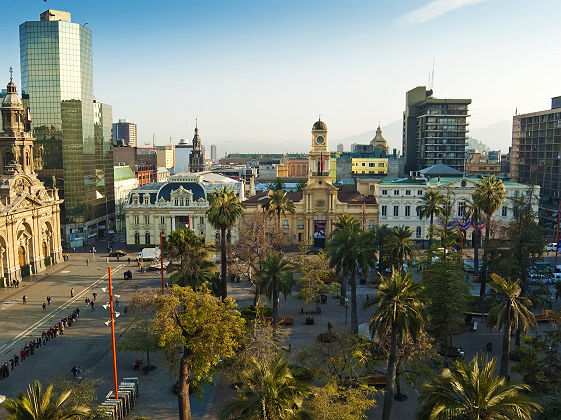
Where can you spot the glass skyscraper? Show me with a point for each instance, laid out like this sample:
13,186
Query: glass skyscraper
73,134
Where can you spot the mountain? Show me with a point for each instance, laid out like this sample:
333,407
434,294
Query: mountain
496,136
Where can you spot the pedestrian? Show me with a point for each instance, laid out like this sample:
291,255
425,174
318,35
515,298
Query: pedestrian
129,260
48,300
329,327
117,302
107,260
22,354
44,307
87,262
16,360
136,287
94,295
72,292
74,370
92,305
87,301
24,299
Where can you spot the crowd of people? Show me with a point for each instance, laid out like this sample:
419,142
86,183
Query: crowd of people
29,348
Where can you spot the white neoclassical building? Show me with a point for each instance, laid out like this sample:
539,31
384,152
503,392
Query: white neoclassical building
399,198
29,213
180,202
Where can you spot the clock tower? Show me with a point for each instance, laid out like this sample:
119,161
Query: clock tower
318,158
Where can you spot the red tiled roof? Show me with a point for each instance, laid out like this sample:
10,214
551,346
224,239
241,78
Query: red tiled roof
354,197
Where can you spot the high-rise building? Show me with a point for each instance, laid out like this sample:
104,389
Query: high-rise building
434,130
196,157
124,133
535,158
73,132
166,156
213,156
340,148
182,151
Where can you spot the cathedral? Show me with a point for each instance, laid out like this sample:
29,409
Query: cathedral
29,213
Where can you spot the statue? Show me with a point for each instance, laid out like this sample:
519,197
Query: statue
54,181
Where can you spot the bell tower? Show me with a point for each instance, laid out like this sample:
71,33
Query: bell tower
318,158
16,141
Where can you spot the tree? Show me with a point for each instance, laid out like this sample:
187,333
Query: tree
279,204
314,275
400,303
350,249
472,208
431,207
140,336
224,211
511,311
39,405
275,278
190,257
399,245
334,401
380,236
447,293
472,391
196,331
489,196
301,185
269,392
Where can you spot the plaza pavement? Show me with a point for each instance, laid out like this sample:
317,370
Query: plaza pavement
87,343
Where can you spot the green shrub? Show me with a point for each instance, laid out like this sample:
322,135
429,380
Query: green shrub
327,337
47,261
302,373
250,312
25,271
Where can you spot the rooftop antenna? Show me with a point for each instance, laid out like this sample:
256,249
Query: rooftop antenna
432,76
170,140
153,140
11,73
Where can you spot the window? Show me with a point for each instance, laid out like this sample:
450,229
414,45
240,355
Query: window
137,238
384,192
135,220
372,188
370,165
461,208
418,212
147,238
201,220
407,192
384,211
146,198
162,220
504,211
176,202
380,165
396,210
395,192
285,224
418,232
371,225
181,202
300,237
363,164
419,192
135,200
147,219
300,224
408,210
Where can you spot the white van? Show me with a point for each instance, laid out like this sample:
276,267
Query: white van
552,247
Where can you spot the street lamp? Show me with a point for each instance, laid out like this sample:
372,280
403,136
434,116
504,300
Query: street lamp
112,323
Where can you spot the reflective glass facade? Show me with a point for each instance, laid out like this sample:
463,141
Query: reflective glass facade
73,142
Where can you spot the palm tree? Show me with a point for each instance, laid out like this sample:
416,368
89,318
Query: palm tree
511,311
432,205
382,234
472,208
269,392
489,196
37,405
224,211
279,204
400,302
275,277
195,266
399,245
472,391
350,249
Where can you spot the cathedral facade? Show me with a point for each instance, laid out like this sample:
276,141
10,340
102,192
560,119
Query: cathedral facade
29,213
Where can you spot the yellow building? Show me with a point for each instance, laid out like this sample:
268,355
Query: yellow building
319,204
369,166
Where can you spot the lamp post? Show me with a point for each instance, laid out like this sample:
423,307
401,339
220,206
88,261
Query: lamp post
113,333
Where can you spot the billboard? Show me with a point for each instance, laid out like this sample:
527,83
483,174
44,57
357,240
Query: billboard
319,233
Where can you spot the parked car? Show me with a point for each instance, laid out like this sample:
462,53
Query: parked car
118,253
453,352
552,247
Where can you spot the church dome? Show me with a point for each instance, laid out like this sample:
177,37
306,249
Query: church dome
11,99
319,125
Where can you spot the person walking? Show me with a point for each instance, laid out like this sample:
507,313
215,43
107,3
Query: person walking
48,300
74,370
94,295
87,262
92,305
44,307
329,327
24,299
117,303
72,292
129,260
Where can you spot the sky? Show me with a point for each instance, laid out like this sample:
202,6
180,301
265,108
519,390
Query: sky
258,73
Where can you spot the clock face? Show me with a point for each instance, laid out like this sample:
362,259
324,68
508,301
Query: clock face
320,140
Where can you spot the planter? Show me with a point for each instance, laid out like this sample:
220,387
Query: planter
310,320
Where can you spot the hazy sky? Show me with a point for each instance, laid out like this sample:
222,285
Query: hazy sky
257,73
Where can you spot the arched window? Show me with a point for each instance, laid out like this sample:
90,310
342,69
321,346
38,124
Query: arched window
8,158
147,238
27,161
418,232
137,238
